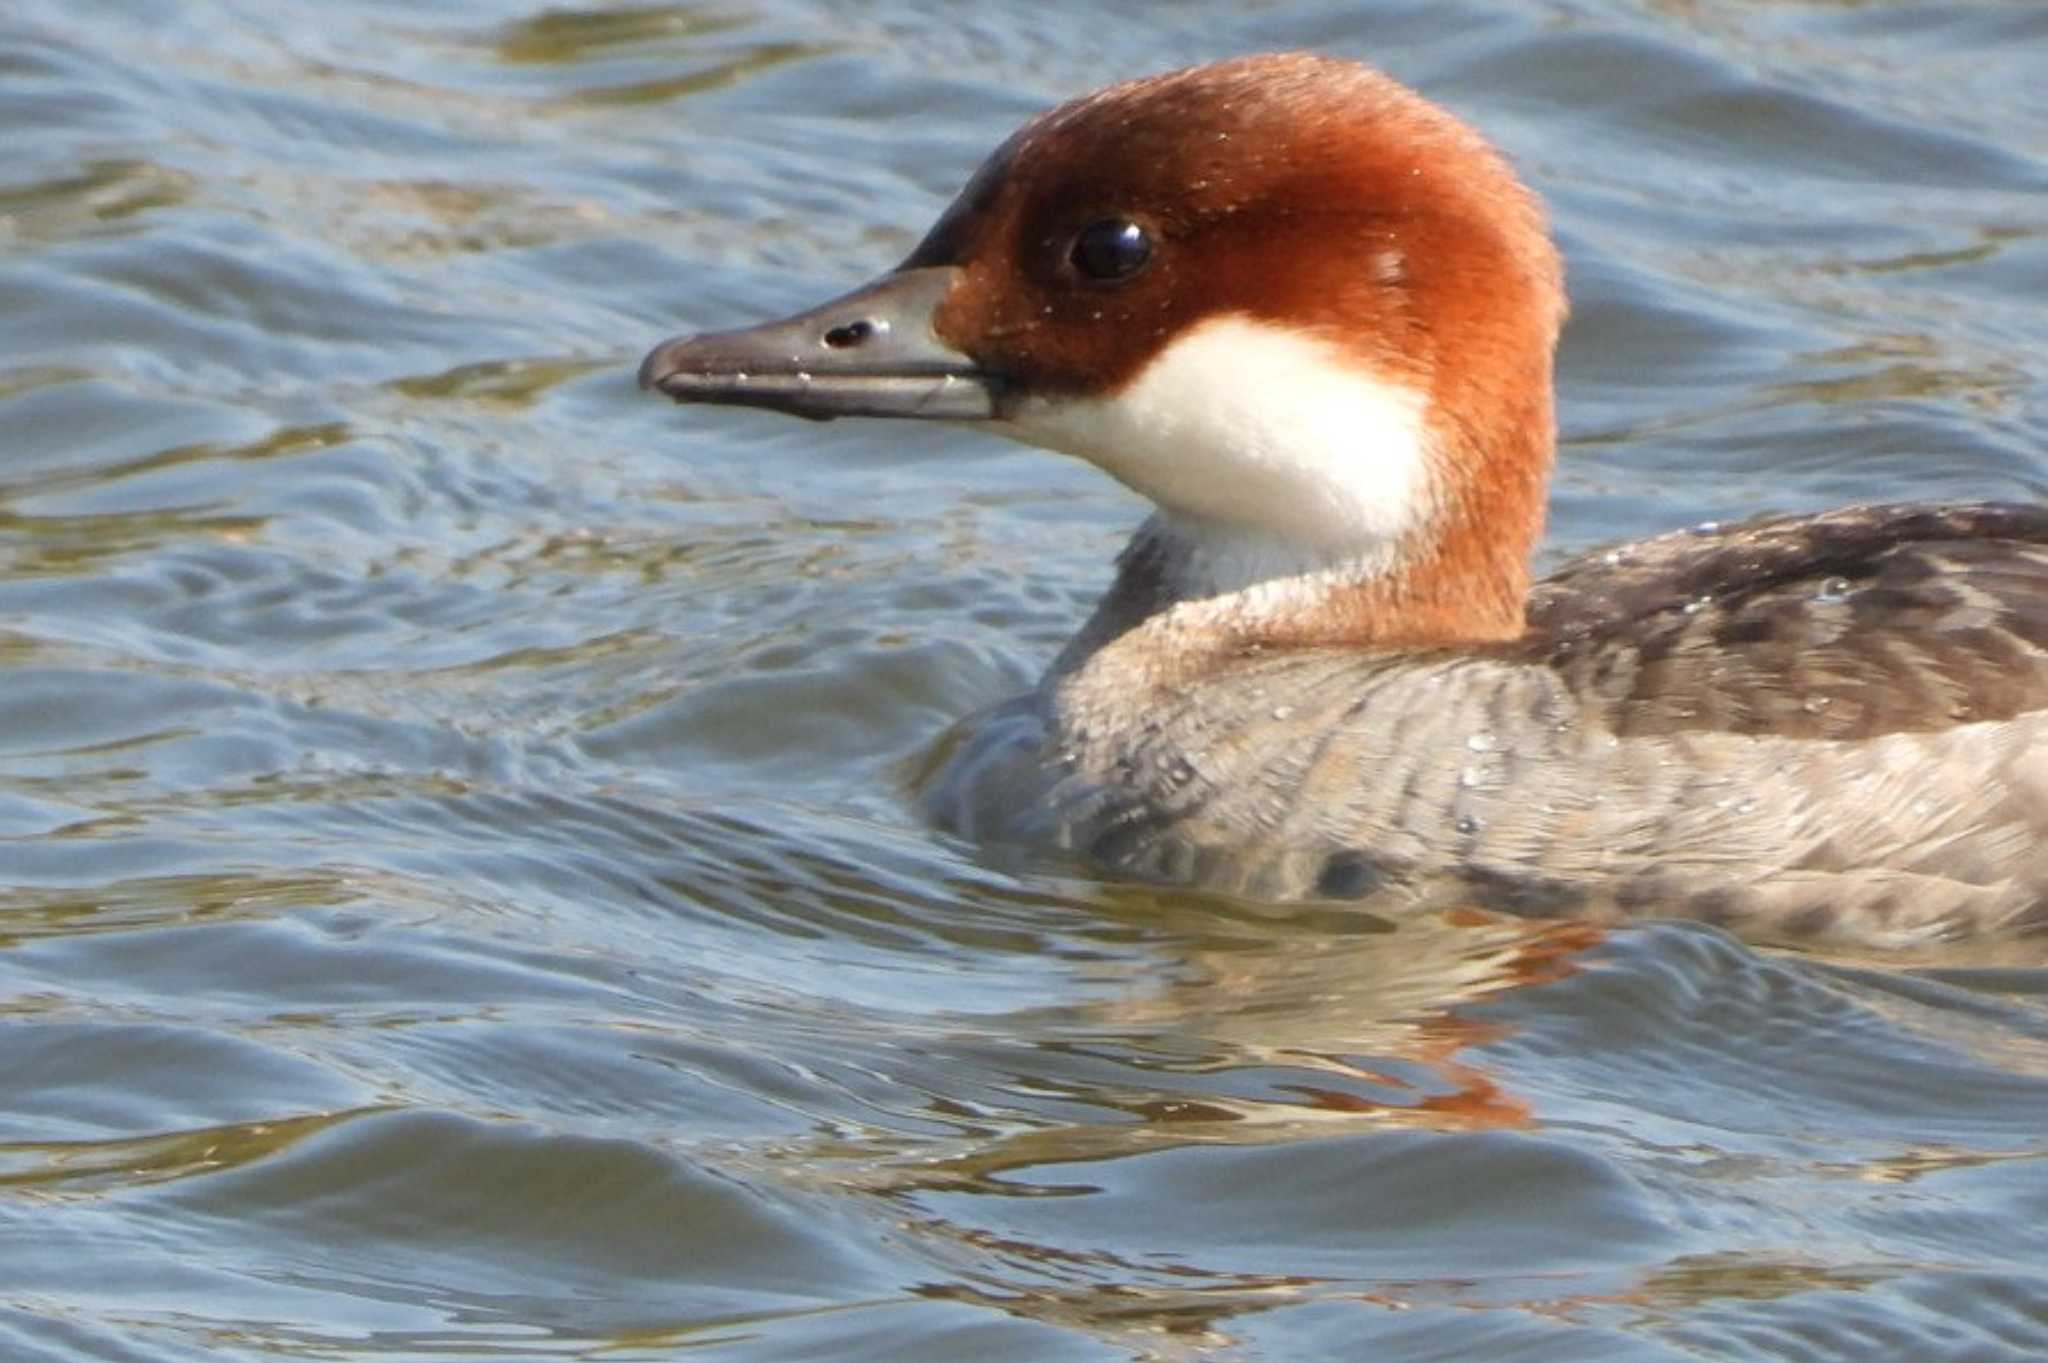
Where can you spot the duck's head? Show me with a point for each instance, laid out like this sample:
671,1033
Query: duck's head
1306,312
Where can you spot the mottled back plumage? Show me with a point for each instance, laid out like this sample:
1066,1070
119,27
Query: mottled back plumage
1859,622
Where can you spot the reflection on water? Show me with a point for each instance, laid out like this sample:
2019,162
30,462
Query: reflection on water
457,896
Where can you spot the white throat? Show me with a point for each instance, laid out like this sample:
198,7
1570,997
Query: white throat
1271,453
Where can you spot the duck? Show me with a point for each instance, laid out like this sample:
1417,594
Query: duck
1311,316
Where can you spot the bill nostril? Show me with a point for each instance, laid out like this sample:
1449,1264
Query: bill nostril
850,334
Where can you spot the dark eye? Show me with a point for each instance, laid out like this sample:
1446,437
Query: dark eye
1111,250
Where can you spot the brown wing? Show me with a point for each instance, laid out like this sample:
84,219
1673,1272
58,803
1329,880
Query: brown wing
1864,621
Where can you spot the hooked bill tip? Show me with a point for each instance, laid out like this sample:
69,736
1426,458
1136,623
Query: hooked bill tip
659,367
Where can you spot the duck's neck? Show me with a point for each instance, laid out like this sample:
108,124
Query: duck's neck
1191,594
1399,518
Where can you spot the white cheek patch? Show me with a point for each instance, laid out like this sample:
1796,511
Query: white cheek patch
1258,432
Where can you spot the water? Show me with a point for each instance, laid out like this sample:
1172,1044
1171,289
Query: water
459,900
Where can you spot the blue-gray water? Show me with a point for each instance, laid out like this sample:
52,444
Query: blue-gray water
456,895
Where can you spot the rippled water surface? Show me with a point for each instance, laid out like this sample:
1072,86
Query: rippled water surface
457,898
